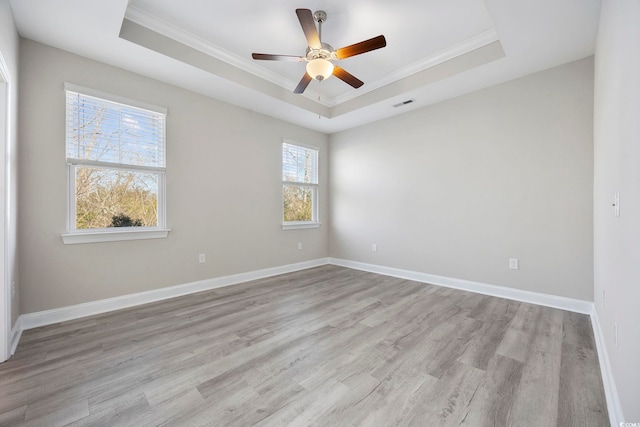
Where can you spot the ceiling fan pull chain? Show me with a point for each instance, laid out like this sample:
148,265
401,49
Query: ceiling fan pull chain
319,83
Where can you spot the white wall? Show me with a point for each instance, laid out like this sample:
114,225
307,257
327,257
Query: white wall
9,44
458,188
617,169
223,188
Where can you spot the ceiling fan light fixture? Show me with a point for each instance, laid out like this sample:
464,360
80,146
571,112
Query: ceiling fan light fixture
320,68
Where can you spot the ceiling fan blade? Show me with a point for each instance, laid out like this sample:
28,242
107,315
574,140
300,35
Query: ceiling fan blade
269,57
347,77
306,79
305,16
362,47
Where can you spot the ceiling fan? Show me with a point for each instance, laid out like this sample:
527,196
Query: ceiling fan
319,55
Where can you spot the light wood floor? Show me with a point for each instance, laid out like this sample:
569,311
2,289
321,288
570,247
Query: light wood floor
328,346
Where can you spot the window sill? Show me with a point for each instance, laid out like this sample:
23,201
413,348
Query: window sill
300,225
113,236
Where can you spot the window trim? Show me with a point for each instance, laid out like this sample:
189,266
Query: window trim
300,225
315,211
96,235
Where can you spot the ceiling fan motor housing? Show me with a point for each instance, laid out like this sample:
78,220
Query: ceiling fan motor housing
327,52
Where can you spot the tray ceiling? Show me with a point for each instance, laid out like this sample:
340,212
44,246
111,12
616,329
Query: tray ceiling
435,50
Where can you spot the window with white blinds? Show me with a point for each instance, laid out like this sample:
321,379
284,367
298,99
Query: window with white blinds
299,164
116,160
115,134
299,185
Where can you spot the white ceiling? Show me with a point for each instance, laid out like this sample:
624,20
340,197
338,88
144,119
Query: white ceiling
436,49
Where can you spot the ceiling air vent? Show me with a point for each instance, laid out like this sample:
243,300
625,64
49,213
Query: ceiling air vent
403,103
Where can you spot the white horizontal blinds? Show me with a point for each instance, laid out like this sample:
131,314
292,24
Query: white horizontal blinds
103,132
299,164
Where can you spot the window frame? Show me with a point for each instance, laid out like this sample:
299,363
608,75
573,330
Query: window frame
315,219
110,234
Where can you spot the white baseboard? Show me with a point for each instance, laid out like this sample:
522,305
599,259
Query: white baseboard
616,416
49,317
563,303
16,333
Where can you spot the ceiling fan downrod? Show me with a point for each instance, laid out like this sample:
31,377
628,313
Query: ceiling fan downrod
320,16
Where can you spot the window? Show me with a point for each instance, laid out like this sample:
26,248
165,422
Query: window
299,186
116,168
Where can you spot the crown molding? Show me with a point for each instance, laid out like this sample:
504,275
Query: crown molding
475,42
161,26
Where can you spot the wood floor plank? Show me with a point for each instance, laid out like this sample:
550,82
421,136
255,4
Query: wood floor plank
494,399
521,333
487,339
326,346
273,394
536,399
446,403
578,404
123,410
13,417
392,399
62,415
309,408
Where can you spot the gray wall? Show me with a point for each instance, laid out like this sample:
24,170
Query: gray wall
617,169
458,188
223,189
9,42
454,189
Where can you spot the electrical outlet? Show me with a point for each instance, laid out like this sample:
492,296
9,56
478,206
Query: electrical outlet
374,248
202,258
13,289
514,263
616,204
299,245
